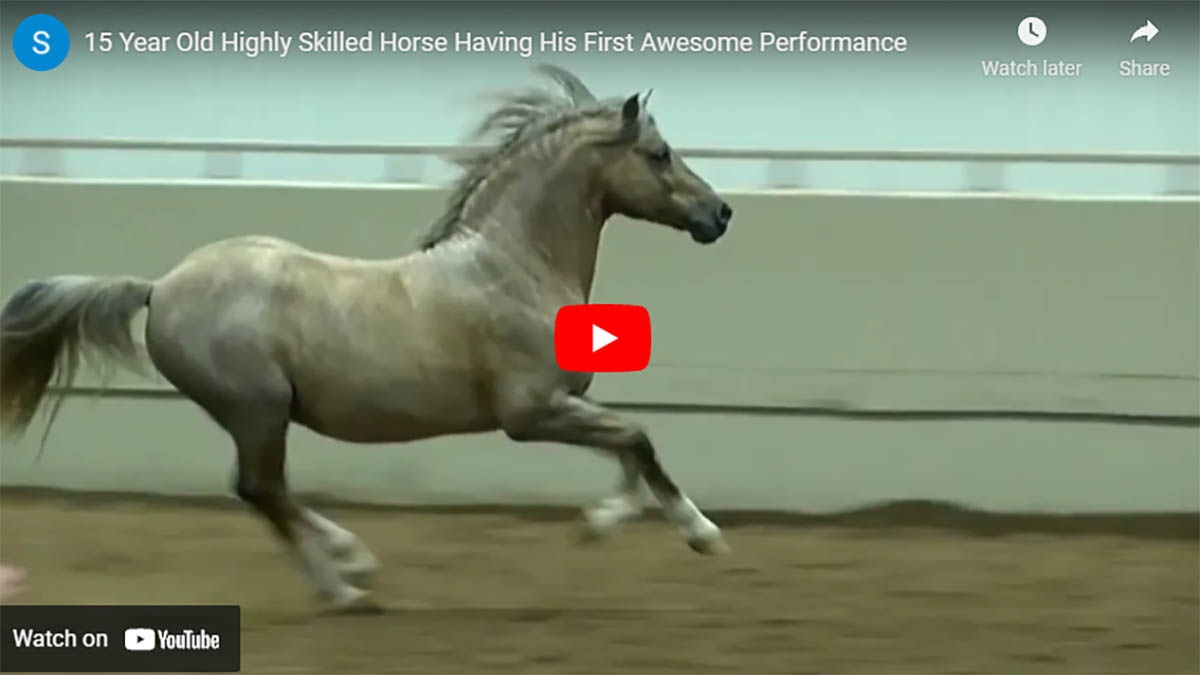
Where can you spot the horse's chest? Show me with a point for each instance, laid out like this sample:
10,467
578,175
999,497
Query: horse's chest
579,383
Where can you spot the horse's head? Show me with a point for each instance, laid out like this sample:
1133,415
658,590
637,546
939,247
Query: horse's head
611,151
647,180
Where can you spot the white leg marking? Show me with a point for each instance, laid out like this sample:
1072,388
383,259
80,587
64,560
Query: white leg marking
310,547
351,556
603,518
702,534
624,504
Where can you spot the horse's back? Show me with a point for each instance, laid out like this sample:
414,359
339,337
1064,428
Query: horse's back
250,247
256,260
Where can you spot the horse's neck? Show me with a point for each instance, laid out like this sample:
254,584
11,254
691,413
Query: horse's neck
554,223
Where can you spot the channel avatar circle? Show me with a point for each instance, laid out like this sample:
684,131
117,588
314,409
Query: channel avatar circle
41,42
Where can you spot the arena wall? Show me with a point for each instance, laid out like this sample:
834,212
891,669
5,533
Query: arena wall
1012,353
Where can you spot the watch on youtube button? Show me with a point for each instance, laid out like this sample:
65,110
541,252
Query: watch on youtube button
602,338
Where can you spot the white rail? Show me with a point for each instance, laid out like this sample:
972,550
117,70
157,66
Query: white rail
324,148
985,169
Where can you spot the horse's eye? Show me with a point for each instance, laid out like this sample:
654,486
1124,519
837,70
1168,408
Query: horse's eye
660,156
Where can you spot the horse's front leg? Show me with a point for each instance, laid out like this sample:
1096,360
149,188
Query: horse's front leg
625,503
577,421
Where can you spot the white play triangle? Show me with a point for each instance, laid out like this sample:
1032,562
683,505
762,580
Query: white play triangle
601,338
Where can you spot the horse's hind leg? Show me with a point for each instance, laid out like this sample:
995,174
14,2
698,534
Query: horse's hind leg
262,448
251,398
217,358
351,557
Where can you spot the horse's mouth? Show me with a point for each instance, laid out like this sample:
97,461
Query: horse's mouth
707,226
706,231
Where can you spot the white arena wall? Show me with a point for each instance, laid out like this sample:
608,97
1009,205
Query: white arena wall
1005,352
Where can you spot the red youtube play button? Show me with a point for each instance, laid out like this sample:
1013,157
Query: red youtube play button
602,338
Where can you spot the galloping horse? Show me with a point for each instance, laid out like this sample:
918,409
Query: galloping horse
454,338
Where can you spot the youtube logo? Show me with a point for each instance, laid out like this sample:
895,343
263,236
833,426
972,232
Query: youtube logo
602,338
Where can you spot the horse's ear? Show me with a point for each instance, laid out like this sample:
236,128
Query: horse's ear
631,121
631,109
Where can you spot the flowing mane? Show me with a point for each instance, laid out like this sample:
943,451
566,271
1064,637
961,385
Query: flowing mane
519,118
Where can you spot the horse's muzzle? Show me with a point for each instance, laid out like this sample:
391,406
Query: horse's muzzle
707,225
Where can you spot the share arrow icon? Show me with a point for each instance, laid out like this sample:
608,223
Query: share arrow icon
1148,31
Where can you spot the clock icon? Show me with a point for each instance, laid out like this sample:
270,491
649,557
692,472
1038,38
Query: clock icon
1031,31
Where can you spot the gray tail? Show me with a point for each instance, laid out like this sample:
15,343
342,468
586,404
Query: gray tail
49,326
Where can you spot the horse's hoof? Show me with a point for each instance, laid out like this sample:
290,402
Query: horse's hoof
360,578
590,534
360,575
354,601
603,520
709,545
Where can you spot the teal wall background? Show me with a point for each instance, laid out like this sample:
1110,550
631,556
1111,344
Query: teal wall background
933,96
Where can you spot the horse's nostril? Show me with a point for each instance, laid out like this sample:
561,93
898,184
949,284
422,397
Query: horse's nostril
726,212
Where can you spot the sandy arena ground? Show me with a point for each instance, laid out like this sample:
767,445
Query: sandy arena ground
512,593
